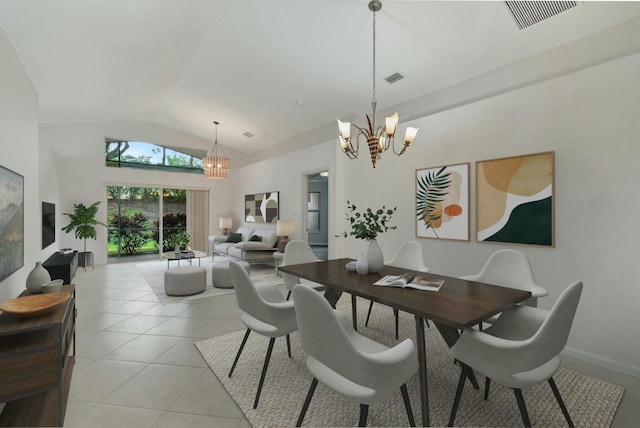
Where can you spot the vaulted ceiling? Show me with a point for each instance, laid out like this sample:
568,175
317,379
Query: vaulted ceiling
275,69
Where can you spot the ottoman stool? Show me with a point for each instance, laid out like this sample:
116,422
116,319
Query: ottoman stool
220,275
184,281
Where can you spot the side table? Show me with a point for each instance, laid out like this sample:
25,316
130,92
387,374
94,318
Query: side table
277,257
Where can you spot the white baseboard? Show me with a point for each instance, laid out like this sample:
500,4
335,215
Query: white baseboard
603,361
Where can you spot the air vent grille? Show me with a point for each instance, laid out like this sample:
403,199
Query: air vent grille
394,78
527,13
247,134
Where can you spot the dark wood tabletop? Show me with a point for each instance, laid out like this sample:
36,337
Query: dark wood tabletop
458,304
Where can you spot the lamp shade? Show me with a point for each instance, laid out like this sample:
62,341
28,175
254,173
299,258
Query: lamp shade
284,228
225,222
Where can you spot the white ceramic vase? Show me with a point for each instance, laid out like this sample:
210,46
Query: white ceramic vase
362,266
38,276
374,256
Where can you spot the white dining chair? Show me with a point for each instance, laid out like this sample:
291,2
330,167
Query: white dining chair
265,311
296,252
354,366
521,349
409,256
510,268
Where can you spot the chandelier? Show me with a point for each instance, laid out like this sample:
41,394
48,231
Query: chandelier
381,138
215,165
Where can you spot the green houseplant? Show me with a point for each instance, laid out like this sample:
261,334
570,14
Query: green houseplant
83,223
367,225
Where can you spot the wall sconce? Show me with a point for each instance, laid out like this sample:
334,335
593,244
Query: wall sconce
284,229
225,224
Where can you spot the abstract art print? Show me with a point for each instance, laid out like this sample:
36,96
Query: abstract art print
11,222
515,201
442,202
261,208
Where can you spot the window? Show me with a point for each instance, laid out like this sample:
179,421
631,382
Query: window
136,154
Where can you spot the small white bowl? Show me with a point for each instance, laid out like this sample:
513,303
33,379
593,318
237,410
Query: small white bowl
52,286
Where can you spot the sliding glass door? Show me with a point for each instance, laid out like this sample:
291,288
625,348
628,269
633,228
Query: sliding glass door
147,220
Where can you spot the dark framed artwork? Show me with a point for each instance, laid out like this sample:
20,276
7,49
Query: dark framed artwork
442,202
11,222
261,208
515,200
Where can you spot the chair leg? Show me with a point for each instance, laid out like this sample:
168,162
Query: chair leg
456,401
554,388
307,400
407,404
366,323
522,407
487,385
264,371
244,340
396,314
364,411
289,345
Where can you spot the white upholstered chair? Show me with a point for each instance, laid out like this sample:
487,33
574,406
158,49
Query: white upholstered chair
353,366
297,252
510,268
521,349
265,311
409,256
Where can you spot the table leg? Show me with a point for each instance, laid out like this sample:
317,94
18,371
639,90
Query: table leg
354,312
450,335
332,295
422,370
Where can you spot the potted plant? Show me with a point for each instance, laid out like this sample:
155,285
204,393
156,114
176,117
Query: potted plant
367,225
83,223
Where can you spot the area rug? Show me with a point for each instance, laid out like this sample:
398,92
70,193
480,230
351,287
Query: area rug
153,273
591,402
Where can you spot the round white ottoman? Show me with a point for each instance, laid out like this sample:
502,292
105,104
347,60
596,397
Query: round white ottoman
185,280
221,276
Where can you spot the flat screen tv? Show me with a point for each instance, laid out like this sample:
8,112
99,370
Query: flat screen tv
48,224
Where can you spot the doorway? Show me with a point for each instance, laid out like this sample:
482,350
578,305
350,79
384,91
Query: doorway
317,213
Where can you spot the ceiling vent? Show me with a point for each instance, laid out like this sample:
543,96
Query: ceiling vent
527,13
247,134
394,78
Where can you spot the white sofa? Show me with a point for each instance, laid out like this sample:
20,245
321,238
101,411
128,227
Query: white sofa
246,250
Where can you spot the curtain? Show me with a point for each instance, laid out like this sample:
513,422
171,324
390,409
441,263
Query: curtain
198,219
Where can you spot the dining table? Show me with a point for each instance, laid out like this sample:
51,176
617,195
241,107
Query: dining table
458,304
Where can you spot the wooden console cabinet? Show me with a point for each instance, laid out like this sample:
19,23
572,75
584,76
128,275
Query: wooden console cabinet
62,266
36,361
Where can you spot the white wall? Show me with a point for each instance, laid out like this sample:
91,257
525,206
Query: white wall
591,119
19,148
285,174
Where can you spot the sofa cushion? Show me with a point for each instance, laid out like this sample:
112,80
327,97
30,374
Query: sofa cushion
246,232
223,247
250,256
253,246
256,238
268,236
234,237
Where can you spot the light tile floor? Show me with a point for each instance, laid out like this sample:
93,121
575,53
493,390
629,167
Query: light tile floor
137,367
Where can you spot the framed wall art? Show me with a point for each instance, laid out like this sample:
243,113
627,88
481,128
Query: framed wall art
11,222
442,202
515,200
261,208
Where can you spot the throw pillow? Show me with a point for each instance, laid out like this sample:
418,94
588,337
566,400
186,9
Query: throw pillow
256,238
234,237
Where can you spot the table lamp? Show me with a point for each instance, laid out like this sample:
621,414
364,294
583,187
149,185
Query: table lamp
225,224
284,228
